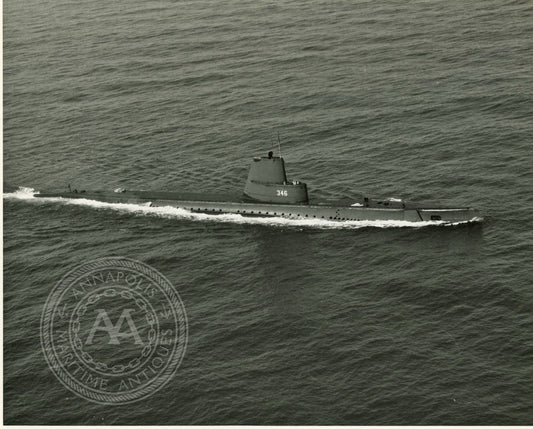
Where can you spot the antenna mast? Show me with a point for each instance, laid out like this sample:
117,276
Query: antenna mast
279,145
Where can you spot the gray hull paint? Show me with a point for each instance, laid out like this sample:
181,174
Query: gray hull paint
217,205
326,212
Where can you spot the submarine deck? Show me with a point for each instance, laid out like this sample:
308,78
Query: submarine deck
346,209
131,196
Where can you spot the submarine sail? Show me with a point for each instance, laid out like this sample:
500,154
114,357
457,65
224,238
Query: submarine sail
267,182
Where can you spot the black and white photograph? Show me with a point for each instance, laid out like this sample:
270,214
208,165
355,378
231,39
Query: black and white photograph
267,213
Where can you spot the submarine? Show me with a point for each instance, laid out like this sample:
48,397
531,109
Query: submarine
269,193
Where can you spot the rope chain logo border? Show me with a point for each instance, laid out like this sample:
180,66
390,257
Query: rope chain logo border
85,287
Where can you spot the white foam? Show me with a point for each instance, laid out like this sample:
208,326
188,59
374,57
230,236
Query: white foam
22,193
28,194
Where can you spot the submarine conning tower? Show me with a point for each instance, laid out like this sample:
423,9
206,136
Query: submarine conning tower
267,182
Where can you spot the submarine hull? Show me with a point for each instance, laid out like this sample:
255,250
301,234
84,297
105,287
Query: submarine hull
370,210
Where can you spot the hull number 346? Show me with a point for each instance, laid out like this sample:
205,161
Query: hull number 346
282,193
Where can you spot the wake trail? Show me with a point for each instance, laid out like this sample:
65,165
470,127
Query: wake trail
28,194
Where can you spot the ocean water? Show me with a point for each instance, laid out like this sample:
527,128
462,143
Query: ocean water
289,322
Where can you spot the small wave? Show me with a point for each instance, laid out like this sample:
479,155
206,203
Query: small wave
144,209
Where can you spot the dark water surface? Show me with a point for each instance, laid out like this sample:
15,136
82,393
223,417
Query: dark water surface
288,323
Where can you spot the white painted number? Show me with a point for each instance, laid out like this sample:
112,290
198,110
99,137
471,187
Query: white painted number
282,193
